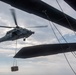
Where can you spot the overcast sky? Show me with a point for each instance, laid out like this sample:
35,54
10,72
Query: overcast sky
49,65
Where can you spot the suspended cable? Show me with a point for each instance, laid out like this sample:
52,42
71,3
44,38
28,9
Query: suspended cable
65,16
15,61
65,54
59,41
64,40
69,64
73,54
15,67
68,23
54,32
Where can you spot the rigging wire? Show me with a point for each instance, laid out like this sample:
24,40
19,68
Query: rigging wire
15,61
73,54
68,23
65,16
65,54
59,41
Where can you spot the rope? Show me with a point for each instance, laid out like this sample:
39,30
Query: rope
65,54
15,61
66,19
73,54
59,41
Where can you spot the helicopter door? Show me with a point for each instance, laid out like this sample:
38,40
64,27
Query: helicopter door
15,33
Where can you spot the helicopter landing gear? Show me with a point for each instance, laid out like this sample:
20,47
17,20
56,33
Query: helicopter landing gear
24,39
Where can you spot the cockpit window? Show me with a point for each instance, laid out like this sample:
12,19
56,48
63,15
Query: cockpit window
13,31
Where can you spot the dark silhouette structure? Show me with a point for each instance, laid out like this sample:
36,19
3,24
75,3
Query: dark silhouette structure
44,50
72,3
43,10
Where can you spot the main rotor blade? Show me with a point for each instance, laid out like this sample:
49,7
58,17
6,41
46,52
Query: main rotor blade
45,49
7,27
14,16
38,26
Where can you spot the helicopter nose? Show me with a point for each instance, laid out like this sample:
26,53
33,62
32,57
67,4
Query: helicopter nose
33,32
30,32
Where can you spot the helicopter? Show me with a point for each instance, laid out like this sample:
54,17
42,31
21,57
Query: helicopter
17,32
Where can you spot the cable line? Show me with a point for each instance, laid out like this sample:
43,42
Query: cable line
67,20
59,41
15,61
65,54
65,16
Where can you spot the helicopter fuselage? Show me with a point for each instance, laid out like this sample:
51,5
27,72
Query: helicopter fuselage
16,33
